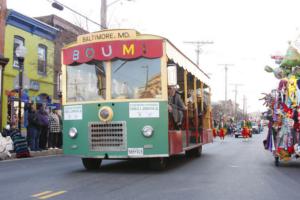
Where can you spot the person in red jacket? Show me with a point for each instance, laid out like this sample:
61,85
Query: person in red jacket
214,132
245,132
222,134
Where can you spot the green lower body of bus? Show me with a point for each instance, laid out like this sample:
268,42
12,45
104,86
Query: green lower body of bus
119,138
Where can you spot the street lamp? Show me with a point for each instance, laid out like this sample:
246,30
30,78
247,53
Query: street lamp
59,6
3,63
20,53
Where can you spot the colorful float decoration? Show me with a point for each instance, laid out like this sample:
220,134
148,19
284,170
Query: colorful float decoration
284,109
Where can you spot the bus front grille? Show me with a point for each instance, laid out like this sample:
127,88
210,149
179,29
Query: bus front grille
108,136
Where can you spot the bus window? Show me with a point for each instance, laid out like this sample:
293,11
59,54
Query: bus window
136,79
86,82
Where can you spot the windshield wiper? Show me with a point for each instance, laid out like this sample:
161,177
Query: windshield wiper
120,66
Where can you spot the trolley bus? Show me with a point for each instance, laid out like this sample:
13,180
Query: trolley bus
115,99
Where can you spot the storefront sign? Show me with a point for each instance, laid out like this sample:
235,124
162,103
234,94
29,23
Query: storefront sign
34,85
73,112
107,35
144,110
103,51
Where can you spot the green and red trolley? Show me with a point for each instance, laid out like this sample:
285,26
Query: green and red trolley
115,99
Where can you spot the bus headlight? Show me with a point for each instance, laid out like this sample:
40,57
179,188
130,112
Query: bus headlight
147,131
73,132
105,114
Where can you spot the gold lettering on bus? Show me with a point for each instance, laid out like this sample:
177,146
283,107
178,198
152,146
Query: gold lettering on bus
128,50
107,35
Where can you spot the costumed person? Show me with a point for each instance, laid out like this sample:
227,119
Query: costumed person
222,134
245,131
292,91
214,132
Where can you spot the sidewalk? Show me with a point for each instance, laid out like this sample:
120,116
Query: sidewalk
48,152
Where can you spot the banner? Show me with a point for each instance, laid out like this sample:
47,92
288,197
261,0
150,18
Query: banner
104,51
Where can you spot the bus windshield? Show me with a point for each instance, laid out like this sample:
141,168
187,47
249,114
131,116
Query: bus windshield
136,79
130,79
86,82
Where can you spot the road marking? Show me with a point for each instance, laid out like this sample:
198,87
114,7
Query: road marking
41,194
52,194
48,194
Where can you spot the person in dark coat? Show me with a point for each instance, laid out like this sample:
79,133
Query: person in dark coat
176,106
33,128
44,124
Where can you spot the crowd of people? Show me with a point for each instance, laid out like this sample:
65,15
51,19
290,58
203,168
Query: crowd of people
44,130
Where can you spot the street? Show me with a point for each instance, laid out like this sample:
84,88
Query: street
233,169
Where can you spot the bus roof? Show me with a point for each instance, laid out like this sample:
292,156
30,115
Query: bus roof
172,52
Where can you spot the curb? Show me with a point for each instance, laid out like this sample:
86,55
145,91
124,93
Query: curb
48,152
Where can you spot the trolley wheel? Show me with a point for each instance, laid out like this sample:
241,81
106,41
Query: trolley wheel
91,163
158,164
276,161
196,152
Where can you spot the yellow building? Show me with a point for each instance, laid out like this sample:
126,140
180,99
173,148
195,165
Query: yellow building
38,84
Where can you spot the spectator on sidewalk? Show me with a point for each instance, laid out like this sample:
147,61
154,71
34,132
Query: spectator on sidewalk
33,128
54,129
60,136
44,124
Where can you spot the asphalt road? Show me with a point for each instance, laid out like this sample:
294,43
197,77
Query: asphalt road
233,169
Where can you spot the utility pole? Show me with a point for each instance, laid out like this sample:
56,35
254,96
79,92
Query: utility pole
226,70
244,106
235,98
103,14
198,47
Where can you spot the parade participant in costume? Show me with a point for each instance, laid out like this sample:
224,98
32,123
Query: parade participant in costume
292,91
214,132
245,130
222,134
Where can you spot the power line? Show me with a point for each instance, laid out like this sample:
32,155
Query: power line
198,47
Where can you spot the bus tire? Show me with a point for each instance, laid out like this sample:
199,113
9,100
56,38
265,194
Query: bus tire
91,163
276,161
197,152
158,164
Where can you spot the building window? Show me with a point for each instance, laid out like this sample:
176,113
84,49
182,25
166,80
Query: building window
42,59
57,88
18,41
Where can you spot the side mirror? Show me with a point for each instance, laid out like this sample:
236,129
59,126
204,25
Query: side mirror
172,75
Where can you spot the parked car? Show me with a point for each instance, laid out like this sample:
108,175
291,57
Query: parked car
255,128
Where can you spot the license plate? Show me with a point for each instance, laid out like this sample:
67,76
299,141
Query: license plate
135,151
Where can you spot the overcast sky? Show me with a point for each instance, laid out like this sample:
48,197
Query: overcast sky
245,33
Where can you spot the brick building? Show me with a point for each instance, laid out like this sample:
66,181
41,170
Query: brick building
68,33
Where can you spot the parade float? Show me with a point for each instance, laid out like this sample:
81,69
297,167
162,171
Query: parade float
284,108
